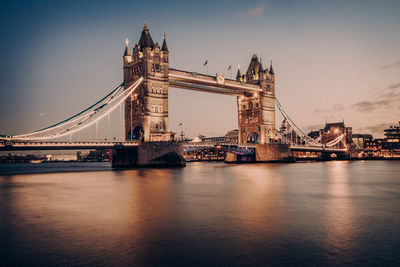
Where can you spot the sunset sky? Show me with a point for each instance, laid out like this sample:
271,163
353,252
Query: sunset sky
333,60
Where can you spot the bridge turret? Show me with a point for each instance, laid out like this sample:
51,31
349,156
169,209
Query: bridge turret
271,69
145,39
253,69
127,53
164,44
164,57
239,75
260,68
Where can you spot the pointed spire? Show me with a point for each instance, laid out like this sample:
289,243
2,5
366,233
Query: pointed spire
164,44
260,66
145,26
127,53
145,38
238,75
254,65
271,70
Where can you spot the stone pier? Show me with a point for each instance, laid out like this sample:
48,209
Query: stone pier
264,153
149,154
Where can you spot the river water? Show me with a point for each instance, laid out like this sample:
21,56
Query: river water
207,214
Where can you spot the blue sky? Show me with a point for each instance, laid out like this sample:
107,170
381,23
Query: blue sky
333,60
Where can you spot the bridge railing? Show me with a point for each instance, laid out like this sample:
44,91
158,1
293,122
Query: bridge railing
215,144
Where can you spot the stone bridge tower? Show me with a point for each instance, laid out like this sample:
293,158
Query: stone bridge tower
257,111
146,111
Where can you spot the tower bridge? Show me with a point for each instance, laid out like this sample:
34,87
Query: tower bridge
146,113
147,77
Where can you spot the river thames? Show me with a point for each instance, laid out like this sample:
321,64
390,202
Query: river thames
207,214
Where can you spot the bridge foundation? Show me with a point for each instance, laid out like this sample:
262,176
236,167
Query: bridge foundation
325,156
149,154
264,153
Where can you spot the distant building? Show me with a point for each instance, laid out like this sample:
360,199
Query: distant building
373,145
232,136
392,138
289,134
331,131
216,139
62,157
335,134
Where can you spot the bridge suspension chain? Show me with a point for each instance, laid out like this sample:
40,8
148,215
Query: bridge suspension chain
85,118
335,141
77,116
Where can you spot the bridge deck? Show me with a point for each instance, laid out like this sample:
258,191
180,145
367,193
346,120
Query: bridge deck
13,146
63,145
211,84
317,149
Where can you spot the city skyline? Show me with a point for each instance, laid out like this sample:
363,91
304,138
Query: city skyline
340,63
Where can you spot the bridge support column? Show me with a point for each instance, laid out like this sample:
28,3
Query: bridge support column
264,153
325,156
234,158
149,154
273,153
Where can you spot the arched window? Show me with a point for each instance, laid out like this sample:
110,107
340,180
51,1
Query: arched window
156,109
250,104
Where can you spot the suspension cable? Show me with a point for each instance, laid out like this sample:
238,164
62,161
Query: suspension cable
80,125
75,117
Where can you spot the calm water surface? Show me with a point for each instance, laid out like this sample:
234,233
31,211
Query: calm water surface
328,213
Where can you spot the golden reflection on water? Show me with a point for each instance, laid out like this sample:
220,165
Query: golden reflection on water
88,208
330,212
259,206
340,214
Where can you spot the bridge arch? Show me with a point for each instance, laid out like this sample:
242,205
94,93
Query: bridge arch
252,138
137,133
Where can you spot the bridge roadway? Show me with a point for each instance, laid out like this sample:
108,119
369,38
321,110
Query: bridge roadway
15,146
34,145
12,146
292,147
317,149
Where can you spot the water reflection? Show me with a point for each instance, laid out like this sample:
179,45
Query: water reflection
331,213
340,213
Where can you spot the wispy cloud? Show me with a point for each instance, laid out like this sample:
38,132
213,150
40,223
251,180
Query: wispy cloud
334,108
393,65
389,98
256,11
314,127
386,100
394,86
376,128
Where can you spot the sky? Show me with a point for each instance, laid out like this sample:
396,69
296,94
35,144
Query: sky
333,60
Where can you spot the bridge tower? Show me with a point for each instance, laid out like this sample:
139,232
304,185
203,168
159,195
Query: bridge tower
146,112
257,111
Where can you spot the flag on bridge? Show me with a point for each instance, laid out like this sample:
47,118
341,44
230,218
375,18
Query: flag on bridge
230,67
205,63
